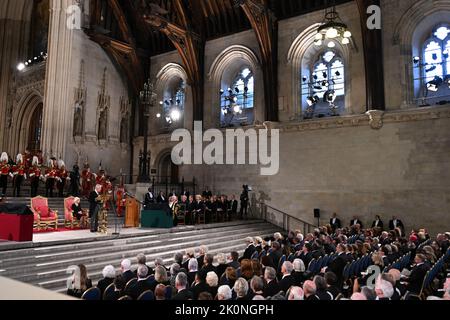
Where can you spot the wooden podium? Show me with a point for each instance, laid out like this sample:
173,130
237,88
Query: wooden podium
131,213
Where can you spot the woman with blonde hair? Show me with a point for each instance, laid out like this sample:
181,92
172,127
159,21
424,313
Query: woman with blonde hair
78,212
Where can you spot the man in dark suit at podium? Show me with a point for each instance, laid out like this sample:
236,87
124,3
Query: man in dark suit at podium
94,207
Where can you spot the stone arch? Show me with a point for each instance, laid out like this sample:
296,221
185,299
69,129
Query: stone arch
22,119
302,54
409,34
166,170
164,77
236,56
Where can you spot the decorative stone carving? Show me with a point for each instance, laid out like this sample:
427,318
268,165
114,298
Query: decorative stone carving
125,108
80,105
375,119
103,105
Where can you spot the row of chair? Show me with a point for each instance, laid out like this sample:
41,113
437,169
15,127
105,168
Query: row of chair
354,268
400,264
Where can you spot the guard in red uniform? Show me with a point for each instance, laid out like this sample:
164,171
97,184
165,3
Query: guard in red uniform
35,175
50,177
19,175
63,176
120,200
87,181
4,172
101,179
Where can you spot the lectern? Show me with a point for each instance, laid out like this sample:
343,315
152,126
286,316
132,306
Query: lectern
131,213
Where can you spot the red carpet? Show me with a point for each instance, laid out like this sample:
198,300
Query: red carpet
58,230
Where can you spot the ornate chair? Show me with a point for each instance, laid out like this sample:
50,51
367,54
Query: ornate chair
147,296
69,220
92,294
44,217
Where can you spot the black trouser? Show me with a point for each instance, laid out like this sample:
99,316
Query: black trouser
4,183
74,189
17,183
61,185
49,185
243,212
34,186
94,218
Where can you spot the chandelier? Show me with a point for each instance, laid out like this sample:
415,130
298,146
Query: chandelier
172,112
231,106
332,29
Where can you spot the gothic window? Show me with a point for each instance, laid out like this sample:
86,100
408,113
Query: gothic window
173,104
237,101
323,86
434,67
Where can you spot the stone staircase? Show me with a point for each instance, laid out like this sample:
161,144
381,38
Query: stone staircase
46,265
58,204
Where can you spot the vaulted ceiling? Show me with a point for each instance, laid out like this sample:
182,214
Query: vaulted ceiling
121,27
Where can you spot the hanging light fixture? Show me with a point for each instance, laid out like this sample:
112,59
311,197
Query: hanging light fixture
332,30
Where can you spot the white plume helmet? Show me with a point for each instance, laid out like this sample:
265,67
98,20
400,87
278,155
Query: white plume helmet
4,157
50,163
35,161
19,158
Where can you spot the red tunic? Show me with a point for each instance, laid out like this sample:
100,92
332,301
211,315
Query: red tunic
18,170
4,168
87,178
34,172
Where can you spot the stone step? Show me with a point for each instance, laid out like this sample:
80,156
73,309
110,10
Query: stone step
46,265
42,257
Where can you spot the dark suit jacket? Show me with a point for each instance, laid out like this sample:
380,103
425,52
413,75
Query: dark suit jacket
140,287
199,288
159,199
337,266
200,261
415,280
286,283
128,275
93,202
380,224
149,199
276,255
248,252
209,268
336,225
271,289
104,283
234,206
183,295
358,222
399,225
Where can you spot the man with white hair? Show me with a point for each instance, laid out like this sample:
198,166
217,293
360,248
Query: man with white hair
250,248
287,280
241,289
296,293
271,288
383,288
181,284
257,286
192,270
142,284
125,267
309,288
224,293
142,261
212,280
109,273
299,271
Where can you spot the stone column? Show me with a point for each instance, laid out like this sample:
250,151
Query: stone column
15,18
58,77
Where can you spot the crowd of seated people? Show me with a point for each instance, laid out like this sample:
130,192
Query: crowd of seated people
326,264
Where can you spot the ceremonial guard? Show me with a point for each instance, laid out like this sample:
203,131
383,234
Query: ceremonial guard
51,174
4,172
101,178
35,175
18,174
63,176
27,159
87,180
120,200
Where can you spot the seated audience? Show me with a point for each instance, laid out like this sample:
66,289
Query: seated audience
224,293
257,286
234,257
141,285
222,264
125,267
213,281
160,292
79,282
309,289
192,270
109,274
287,280
119,289
181,285
271,288
296,293
240,288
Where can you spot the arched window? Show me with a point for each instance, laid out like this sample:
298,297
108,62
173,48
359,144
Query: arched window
237,100
323,86
434,67
172,105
